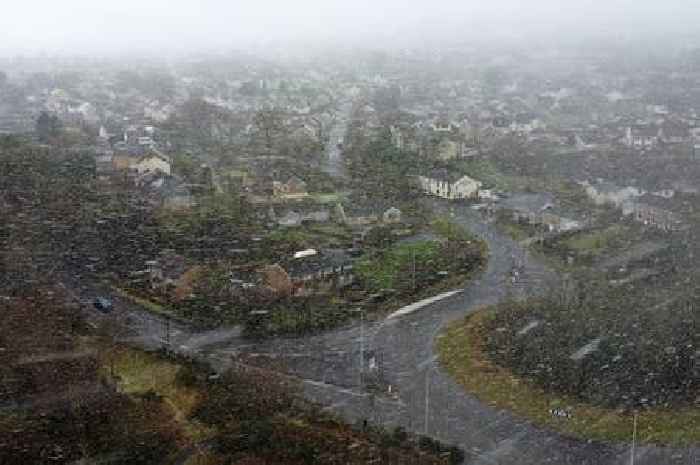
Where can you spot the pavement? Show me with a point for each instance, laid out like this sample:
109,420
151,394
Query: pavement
398,356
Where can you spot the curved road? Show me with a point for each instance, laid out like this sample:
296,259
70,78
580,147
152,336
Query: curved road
423,398
404,350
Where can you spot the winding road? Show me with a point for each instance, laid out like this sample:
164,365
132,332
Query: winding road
423,398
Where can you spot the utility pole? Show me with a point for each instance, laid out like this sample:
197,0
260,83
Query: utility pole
634,440
166,328
413,269
362,346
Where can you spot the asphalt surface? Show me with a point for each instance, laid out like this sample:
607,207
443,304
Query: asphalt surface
334,164
398,356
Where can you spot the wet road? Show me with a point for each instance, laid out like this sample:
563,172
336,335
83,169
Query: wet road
399,352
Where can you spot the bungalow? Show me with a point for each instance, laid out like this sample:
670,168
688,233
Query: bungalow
449,185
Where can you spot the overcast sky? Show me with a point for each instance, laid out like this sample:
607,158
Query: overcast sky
76,26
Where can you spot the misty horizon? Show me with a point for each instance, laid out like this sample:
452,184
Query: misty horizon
127,27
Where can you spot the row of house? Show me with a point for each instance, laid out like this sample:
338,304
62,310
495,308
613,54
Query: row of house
649,136
648,208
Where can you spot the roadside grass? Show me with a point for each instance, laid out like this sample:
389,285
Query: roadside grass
461,354
515,231
333,197
206,458
140,372
148,304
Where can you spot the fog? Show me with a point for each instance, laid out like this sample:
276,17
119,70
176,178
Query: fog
86,26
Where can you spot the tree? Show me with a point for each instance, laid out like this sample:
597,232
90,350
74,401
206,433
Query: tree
3,78
270,130
48,127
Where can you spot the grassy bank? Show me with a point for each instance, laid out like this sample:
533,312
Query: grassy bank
462,354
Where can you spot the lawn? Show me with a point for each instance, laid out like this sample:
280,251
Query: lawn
462,354
393,268
597,242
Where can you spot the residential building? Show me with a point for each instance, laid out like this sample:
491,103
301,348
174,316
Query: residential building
449,185
641,136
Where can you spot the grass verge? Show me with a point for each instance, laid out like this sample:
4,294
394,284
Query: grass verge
461,354
149,305
140,372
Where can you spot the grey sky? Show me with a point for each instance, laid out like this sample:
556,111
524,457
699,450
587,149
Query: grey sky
124,25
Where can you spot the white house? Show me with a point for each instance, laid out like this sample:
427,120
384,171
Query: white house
641,137
605,193
152,163
450,187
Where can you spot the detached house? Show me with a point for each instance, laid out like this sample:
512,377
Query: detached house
652,211
641,136
152,163
539,210
672,133
606,193
292,188
450,185
525,123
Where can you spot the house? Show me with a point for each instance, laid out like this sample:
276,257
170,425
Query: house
404,137
104,166
175,195
276,280
448,185
641,136
166,270
673,133
653,211
392,216
606,193
539,210
444,126
291,218
358,215
525,123
294,187
151,163
319,271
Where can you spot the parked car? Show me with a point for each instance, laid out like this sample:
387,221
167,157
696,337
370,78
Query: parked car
103,304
